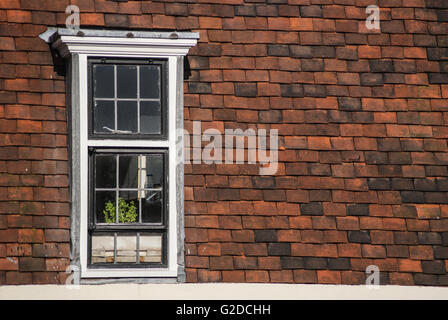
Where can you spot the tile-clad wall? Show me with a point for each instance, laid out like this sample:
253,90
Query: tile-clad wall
361,115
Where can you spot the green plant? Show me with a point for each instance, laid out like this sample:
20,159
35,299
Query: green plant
127,211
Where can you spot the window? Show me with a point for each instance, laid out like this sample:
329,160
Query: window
126,119
127,204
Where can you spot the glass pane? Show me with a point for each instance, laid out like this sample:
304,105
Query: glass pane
105,171
102,249
150,82
152,205
127,116
105,206
126,249
128,171
150,117
104,116
103,81
150,248
126,82
153,170
128,207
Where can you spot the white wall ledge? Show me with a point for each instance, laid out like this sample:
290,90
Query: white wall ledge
220,291
119,42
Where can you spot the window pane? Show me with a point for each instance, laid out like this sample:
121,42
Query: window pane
126,82
105,171
150,117
141,171
128,207
120,94
150,82
105,206
150,248
103,81
104,116
152,205
128,171
126,249
154,171
127,116
102,249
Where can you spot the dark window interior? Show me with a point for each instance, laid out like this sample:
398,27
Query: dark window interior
127,98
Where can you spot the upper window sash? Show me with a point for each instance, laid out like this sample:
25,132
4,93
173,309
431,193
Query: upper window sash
127,98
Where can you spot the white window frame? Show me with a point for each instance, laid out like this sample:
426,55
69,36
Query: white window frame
79,47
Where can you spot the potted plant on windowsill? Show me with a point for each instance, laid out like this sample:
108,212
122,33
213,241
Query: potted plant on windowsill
127,211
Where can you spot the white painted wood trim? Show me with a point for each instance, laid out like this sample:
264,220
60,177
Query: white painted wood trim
83,166
172,204
122,46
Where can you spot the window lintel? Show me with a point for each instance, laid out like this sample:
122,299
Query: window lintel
111,42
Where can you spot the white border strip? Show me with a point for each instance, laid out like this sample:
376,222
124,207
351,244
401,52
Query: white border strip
220,291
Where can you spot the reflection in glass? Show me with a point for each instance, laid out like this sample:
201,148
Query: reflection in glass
150,82
102,249
127,116
128,171
105,171
104,116
152,207
103,81
150,117
141,171
153,170
126,82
